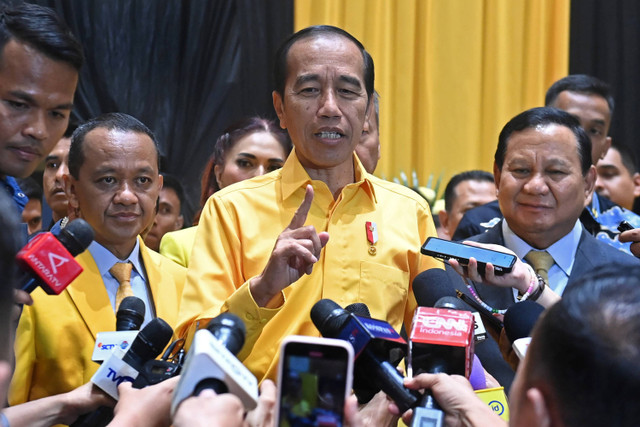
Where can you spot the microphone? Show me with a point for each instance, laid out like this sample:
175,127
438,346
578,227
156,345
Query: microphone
431,285
211,364
370,349
519,321
129,318
455,303
441,341
48,260
147,345
476,376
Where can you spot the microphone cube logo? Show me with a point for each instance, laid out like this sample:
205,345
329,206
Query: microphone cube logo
50,261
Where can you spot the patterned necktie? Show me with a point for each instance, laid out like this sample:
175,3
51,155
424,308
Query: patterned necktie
122,272
541,262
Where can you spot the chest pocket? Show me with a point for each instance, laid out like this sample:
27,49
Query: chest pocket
384,290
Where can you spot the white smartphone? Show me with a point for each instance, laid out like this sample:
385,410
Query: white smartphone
314,379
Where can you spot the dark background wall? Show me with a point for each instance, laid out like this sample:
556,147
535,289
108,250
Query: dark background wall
605,36
187,69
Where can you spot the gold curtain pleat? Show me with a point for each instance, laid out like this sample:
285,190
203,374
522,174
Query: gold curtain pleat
450,73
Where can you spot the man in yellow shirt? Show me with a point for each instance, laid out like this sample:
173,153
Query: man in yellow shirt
243,262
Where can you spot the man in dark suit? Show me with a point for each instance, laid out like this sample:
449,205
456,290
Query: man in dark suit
544,176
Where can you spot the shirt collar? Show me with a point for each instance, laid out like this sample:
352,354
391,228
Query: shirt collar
294,176
104,259
563,251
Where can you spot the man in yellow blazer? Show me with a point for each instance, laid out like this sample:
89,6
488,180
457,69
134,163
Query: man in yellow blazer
113,183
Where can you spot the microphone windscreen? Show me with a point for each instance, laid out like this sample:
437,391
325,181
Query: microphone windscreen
452,303
359,309
130,315
520,319
328,317
230,330
76,236
431,285
150,341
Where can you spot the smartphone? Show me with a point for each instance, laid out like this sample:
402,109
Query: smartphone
624,226
445,250
487,317
314,380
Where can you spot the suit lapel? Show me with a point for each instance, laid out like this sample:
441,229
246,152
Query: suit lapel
90,297
153,280
582,260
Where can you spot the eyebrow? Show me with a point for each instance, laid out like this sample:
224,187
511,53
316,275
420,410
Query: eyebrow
51,157
251,156
315,77
31,100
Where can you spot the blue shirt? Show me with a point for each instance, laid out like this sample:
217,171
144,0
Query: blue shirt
563,252
105,260
13,189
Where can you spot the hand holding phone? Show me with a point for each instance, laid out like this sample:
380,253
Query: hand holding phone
314,380
445,250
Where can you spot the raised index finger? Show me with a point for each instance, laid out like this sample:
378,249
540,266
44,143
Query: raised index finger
300,217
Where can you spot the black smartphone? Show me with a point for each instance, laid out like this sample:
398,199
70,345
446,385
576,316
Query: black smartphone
445,250
624,226
314,380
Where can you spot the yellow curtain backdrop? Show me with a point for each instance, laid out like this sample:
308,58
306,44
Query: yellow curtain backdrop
450,73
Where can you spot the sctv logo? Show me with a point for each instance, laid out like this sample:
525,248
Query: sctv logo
118,379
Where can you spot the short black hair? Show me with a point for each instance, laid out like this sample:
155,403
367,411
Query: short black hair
110,121
542,116
473,175
280,63
580,83
171,182
627,156
71,127
41,28
587,346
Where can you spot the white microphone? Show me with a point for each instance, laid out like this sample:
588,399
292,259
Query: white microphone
211,363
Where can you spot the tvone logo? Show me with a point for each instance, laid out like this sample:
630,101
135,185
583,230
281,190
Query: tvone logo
56,261
448,323
118,379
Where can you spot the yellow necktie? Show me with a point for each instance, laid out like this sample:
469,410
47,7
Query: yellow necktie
122,272
541,262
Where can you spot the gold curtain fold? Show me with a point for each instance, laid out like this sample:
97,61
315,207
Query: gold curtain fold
450,73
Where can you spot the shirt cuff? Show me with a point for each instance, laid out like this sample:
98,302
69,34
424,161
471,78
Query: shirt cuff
242,304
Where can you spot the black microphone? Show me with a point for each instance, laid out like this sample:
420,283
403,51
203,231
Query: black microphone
211,363
149,343
48,260
431,285
520,319
335,322
130,314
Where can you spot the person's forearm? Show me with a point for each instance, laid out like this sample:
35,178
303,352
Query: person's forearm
42,412
479,414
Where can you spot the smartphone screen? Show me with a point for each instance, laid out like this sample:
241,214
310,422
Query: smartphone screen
445,249
314,380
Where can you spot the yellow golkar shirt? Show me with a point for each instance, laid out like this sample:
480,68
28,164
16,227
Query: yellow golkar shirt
375,231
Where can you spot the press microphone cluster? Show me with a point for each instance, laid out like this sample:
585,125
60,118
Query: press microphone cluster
48,260
120,366
371,340
211,364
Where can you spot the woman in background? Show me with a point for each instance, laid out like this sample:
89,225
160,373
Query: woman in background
252,147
